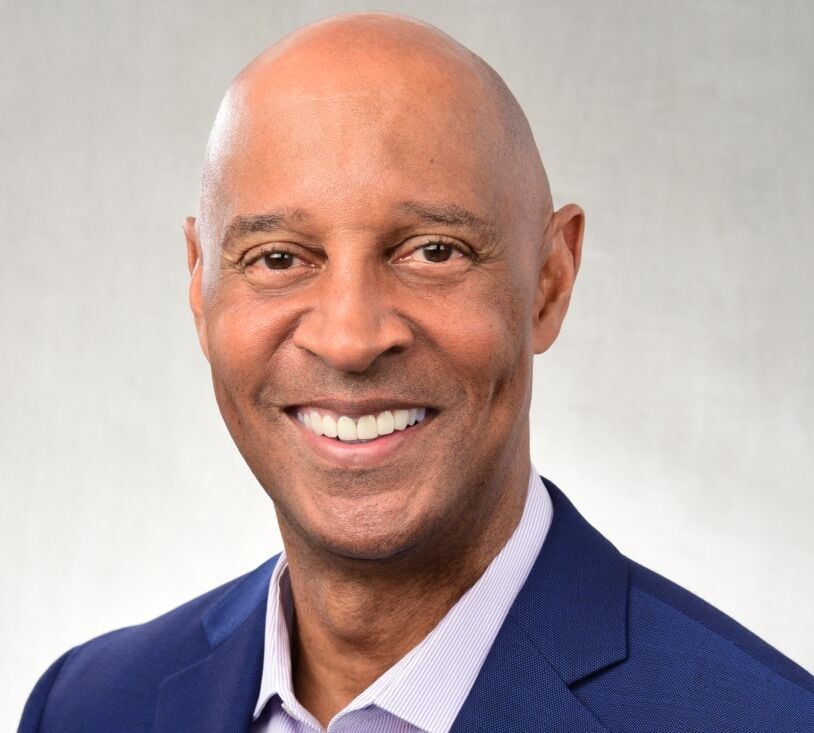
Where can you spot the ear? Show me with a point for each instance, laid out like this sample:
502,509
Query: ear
562,251
195,265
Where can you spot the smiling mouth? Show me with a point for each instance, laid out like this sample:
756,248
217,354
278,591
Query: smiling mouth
359,429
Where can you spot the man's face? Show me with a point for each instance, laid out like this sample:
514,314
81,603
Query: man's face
365,264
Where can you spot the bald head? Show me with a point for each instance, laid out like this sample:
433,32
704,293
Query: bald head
387,75
376,235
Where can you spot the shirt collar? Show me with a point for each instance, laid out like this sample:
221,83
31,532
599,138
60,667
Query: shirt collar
428,686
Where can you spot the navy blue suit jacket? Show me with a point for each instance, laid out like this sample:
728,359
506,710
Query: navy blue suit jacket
594,642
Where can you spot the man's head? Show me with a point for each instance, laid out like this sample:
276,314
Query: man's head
376,235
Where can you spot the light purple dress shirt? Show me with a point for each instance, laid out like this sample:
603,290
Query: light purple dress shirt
425,689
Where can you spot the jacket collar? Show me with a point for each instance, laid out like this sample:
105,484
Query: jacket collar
217,693
568,621
574,605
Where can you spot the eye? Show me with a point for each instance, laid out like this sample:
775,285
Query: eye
278,264
273,259
277,260
435,252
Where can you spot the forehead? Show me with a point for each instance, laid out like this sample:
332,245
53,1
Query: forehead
353,152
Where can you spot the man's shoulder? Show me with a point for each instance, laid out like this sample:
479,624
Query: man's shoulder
643,653
687,658
166,640
123,669
649,590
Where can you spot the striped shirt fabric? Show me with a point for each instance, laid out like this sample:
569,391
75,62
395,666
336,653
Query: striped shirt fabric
424,691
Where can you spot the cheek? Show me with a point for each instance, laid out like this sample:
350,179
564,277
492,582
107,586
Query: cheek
487,339
244,334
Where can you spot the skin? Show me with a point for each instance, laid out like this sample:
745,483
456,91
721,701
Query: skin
339,160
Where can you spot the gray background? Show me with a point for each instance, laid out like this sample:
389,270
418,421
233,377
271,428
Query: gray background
676,409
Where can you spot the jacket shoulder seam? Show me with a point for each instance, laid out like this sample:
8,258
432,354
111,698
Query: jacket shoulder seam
720,636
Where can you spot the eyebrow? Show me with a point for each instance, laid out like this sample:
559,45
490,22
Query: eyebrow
451,215
268,223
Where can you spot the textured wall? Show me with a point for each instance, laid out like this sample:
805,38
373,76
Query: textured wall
676,409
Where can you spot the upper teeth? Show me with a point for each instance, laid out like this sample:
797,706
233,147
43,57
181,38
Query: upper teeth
367,427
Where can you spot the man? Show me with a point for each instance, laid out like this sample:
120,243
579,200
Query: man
376,262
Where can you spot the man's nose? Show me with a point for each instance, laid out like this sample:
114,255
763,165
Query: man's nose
354,319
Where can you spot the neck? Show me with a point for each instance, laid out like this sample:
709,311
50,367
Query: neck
354,619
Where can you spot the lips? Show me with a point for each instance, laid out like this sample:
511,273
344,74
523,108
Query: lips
358,428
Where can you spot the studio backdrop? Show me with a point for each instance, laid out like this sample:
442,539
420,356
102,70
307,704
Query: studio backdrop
676,409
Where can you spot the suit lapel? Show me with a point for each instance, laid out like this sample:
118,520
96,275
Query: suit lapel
517,690
217,693
568,621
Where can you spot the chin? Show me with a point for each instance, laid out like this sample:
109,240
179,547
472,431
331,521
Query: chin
371,549
373,517
363,543
368,530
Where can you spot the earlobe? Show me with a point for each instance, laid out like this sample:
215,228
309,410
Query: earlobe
557,274
195,265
